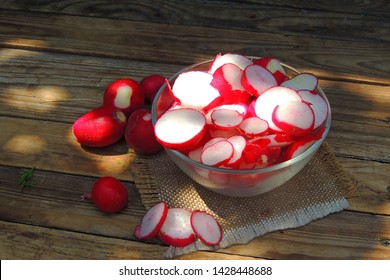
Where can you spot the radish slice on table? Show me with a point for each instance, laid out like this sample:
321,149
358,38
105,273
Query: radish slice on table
257,79
318,104
180,129
294,117
266,103
236,59
303,81
228,116
274,66
206,227
152,221
193,90
218,153
254,126
176,230
227,79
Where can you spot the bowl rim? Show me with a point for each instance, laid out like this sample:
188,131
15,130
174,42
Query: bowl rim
279,166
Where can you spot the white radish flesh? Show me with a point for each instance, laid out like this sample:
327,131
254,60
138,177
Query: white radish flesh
206,227
318,104
254,126
152,221
274,66
257,79
239,144
228,116
294,118
218,153
303,81
180,128
267,102
227,79
176,230
236,59
193,90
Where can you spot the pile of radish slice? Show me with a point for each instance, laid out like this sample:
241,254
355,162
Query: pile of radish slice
178,227
242,113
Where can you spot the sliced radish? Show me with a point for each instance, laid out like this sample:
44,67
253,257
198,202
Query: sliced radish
303,81
206,227
259,155
176,230
152,221
227,79
239,144
254,126
257,79
226,133
180,129
236,59
228,116
294,117
273,140
318,104
274,66
218,153
212,141
195,154
266,103
193,90
300,146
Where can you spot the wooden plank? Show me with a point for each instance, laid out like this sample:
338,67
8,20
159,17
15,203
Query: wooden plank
362,61
26,242
75,90
149,9
303,18
51,146
345,235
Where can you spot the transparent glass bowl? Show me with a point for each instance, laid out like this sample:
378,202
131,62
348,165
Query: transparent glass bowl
231,182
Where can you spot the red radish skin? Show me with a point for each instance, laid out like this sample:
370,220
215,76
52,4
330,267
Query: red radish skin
318,104
206,227
193,90
109,195
151,84
227,79
152,222
274,66
236,59
139,133
176,230
257,79
181,129
218,153
126,95
303,81
100,127
274,140
295,118
266,103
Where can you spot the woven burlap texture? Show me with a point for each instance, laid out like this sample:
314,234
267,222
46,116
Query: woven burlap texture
319,189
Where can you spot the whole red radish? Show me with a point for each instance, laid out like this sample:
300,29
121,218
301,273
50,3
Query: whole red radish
109,195
151,84
100,127
139,132
126,95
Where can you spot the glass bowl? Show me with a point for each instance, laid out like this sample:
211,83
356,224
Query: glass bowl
234,182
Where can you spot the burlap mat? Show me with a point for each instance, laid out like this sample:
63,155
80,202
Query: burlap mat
319,189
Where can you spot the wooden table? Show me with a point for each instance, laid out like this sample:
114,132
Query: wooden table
57,57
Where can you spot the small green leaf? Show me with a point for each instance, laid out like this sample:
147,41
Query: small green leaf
26,177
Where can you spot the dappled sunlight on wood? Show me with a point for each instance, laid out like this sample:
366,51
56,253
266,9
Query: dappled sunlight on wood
106,161
25,42
25,144
10,54
38,99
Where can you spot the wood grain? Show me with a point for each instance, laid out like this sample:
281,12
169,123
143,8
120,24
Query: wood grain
363,61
